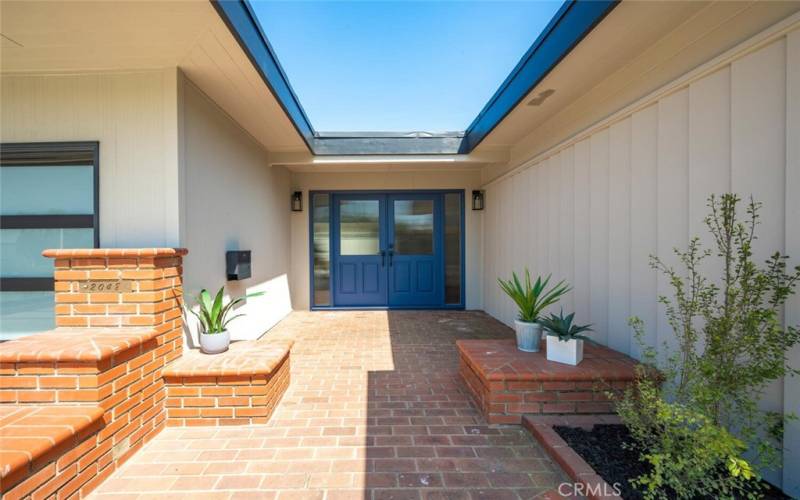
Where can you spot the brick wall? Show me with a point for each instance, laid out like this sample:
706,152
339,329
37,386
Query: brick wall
149,283
507,383
242,386
505,402
225,399
110,347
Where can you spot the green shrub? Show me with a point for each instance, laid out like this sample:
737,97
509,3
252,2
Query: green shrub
213,315
532,299
561,326
689,456
730,344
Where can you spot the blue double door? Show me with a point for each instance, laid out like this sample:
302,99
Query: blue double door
388,250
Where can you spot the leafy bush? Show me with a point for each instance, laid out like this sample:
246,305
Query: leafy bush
562,327
730,344
532,299
213,315
688,454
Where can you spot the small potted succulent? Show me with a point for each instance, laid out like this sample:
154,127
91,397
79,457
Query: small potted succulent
531,299
564,340
213,316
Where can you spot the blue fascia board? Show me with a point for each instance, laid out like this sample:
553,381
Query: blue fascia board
242,23
574,20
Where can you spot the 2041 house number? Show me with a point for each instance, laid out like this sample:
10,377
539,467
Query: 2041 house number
104,286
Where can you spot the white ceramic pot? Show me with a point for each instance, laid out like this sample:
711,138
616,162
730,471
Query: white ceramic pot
564,351
215,343
529,335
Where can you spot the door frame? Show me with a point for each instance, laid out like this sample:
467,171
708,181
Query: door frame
310,232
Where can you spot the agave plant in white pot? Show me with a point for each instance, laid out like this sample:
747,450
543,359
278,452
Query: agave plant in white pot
564,340
531,300
213,316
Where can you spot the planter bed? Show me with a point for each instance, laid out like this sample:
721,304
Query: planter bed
601,448
589,449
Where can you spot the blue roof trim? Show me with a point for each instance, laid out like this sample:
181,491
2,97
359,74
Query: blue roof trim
242,22
573,21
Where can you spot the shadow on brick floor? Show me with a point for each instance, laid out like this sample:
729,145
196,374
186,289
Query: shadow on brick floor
425,438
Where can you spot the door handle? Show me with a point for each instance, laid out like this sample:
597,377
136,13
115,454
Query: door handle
383,258
391,255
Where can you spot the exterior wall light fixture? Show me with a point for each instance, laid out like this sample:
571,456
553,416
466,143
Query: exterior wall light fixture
297,201
477,200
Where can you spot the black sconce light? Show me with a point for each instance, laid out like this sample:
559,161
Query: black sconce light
297,201
477,200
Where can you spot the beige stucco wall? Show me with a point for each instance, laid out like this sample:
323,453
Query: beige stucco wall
132,115
386,180
591,209
233,200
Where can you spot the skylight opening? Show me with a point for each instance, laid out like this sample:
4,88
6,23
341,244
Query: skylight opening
426,67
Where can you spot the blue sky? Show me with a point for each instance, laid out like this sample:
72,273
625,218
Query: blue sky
399,66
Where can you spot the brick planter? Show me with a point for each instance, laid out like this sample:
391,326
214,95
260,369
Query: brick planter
507,383
240,386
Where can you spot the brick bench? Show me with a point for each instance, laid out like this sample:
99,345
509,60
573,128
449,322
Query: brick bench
240,386
115,372
507,383
39,446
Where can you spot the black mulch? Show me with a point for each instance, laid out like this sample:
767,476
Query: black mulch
602,449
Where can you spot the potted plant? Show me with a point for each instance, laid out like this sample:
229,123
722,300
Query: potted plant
564,340
213,316
531,299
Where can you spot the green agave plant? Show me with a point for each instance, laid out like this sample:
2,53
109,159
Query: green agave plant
212,314
562,327
532,299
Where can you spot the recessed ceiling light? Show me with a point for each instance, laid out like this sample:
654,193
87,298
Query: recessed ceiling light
540,97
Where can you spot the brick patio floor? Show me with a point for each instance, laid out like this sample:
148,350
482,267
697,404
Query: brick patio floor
375,410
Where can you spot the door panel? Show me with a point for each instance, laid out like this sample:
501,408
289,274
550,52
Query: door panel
359,241
415,250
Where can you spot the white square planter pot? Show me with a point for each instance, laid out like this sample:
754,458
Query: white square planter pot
569,352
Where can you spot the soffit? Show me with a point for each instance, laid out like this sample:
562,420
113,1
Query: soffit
638,47
70,37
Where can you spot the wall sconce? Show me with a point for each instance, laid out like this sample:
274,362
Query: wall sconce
297,201
477,200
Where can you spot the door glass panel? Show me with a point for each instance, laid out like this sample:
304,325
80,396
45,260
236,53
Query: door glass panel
413,227
42,190
359,227
452,248
322,245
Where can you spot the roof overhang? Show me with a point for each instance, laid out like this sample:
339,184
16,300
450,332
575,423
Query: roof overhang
82,37
573,21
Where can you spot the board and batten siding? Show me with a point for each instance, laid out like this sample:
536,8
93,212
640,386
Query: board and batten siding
234,200
133,117
592,209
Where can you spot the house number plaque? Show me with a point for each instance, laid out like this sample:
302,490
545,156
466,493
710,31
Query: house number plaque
104,286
